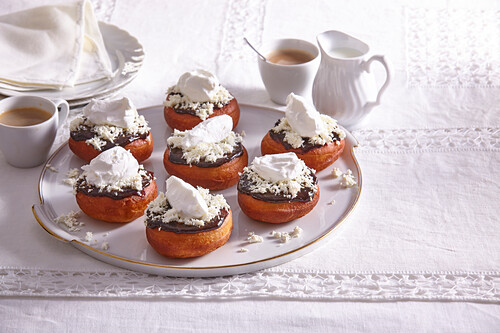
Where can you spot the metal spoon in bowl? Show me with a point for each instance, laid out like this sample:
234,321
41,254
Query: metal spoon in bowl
253,48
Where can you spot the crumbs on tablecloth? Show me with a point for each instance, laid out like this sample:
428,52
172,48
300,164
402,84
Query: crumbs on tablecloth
243,250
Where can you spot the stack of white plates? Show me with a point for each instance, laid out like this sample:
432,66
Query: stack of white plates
126,55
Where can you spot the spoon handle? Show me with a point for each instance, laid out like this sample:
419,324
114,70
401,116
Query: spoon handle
253,48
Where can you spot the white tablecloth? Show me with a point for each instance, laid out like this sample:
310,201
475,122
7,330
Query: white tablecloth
421,252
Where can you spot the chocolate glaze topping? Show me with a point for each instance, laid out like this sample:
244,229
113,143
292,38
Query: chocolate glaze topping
86,133
177,227
304,195
175,156
91,190
306,146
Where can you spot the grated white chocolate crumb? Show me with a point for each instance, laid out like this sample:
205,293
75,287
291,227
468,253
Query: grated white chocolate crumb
70,220
51,168
88,236
253,238
336,172
348,179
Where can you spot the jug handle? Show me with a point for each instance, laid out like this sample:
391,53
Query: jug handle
367,64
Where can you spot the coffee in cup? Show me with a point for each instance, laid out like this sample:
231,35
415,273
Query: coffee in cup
290,67
289,56
24,116
28,127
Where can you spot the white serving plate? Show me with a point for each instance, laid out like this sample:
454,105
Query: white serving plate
128,247
126,55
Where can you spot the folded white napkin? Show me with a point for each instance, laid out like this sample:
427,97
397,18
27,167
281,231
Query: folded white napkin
52,47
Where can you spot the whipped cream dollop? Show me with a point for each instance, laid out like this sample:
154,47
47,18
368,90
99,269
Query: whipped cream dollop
303,116
198,85
209,131
276,167
119,112
185,199
113,166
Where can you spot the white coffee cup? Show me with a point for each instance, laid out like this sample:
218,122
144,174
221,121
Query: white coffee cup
29,146
281,80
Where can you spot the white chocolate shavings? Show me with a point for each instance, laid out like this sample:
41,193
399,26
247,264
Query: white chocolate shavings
243,250
331,203
70,220
254,238
51,168
88,236
286,187
297,231
336,172
71,177
105,246
348,179
105,133
284,237
296,141
243,133
202,109
134,182
160,209
210,152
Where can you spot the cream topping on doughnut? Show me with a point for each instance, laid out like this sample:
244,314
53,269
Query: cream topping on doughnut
209,131
119,112
194,148
114,169
108,120
198,85
288,187
278,167
303,116
161,209
325,137
185,198
198,92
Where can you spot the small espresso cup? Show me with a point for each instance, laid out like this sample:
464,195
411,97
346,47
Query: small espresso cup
27,146
284,77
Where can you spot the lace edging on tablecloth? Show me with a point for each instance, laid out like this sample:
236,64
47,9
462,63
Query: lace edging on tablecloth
420,140
359,286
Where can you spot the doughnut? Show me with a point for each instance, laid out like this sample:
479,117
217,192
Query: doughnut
275,212
123,209
140,148
317,158
214,178
189,244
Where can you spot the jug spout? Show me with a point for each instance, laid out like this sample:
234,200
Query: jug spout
338,45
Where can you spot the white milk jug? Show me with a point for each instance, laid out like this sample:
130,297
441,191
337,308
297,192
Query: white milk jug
343,87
